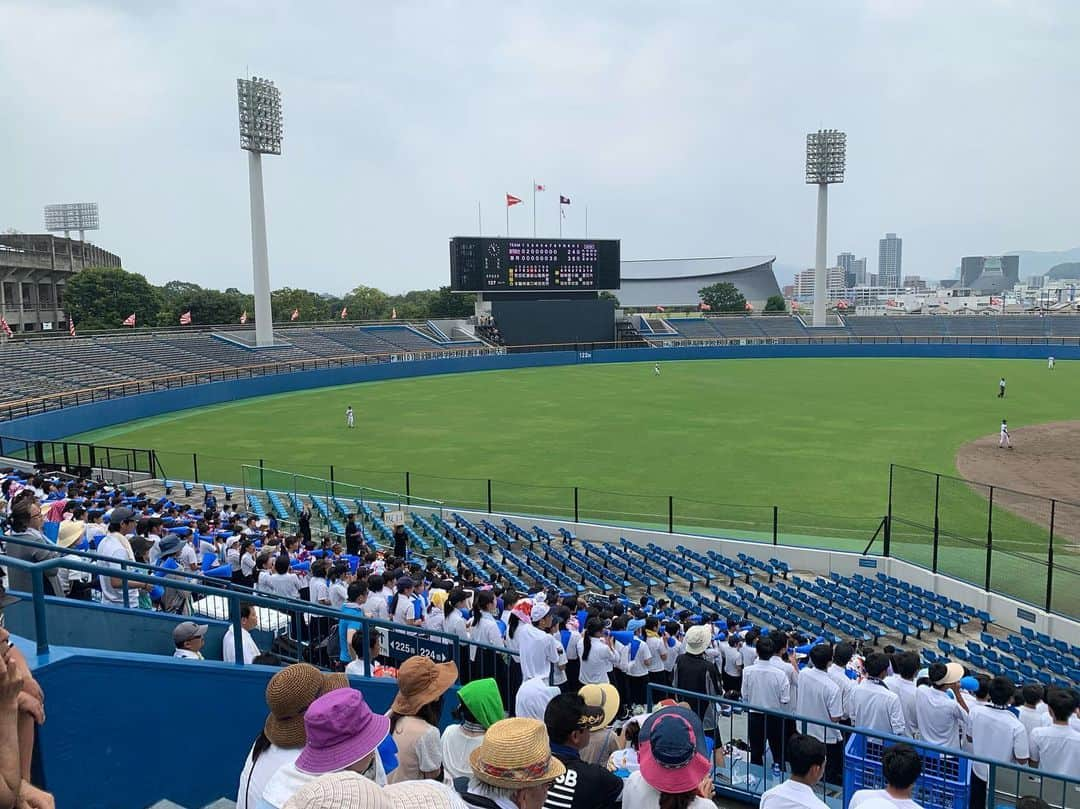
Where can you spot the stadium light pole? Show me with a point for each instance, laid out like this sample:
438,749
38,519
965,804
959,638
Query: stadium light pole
826,159
261,132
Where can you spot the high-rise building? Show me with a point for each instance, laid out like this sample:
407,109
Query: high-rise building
845,262
804,284
859,268
890,260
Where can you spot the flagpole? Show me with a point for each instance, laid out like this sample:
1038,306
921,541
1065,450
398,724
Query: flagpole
586,221
534,207
508,219
560,217
479,220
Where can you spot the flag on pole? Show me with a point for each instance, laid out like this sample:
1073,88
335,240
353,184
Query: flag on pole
4,325
393,313
295,314
562,212
511,201
71,327
344,311
243,318
185,319
660,309
564,200
130,320
540,187
749,306
704,307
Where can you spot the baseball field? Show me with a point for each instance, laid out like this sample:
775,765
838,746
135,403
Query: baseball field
727,440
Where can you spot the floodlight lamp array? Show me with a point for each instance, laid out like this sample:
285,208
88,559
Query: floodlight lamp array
261,122
826,156
72,216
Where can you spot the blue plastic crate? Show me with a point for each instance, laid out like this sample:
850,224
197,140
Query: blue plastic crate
942,785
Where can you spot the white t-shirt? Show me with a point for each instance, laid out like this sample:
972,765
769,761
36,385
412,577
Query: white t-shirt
253,780
1032,718
228,648
405,610
538,651
533,697
941,718
864,795
733,660
1056,748
286,585
765,686
486,631
998,735
905,689
638,794
113,546
339,594
639,665
602,659
673,652
819,698
456,747
318,590
791,795
875,707
657,647
846,684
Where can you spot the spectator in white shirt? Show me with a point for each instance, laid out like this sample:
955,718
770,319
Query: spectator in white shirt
765,686
806,755
902,683
249,619
1029,712
940,707
1055,748
596,649
538,650
658,649
117,546
731,672
281,582
819,697
998,735
873,706
842,654
901,767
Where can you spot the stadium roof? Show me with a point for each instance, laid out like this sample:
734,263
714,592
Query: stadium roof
671,268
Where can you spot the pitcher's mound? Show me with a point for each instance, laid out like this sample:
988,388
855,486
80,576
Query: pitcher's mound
1045,461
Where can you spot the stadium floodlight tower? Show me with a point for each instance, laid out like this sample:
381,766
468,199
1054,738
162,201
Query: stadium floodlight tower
826,158
80,216
260,133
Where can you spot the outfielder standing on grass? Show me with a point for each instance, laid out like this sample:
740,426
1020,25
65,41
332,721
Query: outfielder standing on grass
1004,440
1001,388
349,418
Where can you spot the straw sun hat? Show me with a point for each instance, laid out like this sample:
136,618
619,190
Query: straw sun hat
515,754
288,694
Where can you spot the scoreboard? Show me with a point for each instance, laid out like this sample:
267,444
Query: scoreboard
479,264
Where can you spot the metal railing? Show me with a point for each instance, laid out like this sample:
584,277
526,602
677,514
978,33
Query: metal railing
946,771
401,641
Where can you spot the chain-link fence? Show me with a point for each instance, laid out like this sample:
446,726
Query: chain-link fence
1015,543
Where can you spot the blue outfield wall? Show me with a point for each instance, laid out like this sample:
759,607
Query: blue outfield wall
69,421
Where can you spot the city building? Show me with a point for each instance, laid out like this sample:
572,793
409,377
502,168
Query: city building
989,275
834,283
34,269
890,260
859,268
915,283
846,262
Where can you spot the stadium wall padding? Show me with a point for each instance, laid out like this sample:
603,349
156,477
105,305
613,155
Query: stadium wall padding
154,727
71,420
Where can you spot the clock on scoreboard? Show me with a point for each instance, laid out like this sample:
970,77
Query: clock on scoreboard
479,264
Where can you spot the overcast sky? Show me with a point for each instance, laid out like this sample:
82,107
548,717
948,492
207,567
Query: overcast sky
681,125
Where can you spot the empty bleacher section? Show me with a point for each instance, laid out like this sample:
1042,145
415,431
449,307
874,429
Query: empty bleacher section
40,367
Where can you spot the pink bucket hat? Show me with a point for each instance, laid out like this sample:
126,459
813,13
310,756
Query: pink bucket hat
341,729
672,755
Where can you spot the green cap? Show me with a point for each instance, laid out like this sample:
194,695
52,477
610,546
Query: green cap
483,700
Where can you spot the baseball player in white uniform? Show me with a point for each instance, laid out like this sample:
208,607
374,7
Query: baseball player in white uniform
1004,441
350,420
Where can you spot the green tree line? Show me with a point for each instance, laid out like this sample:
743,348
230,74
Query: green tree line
103,297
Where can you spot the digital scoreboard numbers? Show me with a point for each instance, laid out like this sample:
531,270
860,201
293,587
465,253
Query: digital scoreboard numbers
533,265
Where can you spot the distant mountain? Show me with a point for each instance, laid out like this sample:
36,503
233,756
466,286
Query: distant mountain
1033,262
1069,269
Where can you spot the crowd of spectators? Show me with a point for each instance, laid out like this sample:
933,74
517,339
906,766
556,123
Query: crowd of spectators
575,668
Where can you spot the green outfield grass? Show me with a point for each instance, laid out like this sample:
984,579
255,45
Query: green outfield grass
728,439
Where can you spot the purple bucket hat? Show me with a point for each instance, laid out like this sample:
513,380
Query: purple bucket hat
341,730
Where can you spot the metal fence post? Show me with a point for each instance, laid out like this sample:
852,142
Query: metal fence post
489,494
238,634
333,491
576,504
262,484
937,525
888,516
408,489
775,525
195,465
670,514
1050,558
989,536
